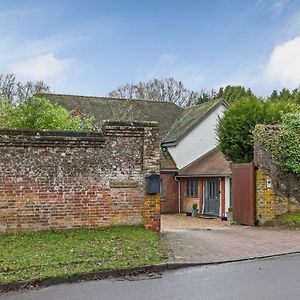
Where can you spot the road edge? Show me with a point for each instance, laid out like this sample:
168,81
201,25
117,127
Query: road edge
98,275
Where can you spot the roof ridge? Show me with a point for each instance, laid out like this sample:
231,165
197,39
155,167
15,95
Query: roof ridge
204,103
109,98
207,110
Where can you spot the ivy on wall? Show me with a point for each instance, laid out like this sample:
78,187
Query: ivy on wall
283,142
291,142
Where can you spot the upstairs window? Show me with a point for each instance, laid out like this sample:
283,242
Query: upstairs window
192,187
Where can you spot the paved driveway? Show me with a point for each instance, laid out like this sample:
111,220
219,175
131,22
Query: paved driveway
203,241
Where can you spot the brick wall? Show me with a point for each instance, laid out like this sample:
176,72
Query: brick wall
265,199
270,203
284,194
56,180
187,201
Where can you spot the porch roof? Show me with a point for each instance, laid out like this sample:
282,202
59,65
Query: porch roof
211,164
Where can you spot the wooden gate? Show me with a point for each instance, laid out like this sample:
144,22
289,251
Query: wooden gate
243,193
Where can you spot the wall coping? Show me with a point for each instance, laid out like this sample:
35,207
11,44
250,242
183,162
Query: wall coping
25,137
105,123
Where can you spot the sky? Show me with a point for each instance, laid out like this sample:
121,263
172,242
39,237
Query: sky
92,47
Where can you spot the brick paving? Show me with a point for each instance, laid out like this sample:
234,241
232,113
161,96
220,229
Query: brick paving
205,240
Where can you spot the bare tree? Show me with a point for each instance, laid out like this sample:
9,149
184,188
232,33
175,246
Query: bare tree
7,86
167,89
16,91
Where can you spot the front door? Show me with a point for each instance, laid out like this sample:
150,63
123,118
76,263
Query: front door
211,197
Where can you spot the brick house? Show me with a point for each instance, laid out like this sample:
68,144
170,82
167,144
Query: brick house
193,170
193,163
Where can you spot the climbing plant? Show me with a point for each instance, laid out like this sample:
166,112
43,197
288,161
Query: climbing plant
291,142
283,141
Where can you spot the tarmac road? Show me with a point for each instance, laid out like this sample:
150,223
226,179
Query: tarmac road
273,278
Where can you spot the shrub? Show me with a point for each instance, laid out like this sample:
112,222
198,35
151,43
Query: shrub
234,130
39,113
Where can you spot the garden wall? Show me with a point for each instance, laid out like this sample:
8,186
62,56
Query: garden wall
59,180
277,191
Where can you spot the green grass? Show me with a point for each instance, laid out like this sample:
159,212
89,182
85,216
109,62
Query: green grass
37,255
291,218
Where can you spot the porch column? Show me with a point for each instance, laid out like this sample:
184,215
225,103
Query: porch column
200,194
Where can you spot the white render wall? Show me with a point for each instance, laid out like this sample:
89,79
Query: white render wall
197,142
227,194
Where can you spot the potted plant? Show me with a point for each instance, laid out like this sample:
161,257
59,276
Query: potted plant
195,210
229,214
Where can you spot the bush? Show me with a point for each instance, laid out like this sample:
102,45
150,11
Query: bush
234,130
39,113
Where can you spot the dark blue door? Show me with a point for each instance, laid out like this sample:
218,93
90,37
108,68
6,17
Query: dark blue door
212,196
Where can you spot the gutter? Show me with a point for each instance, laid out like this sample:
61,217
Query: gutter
179,195
204,175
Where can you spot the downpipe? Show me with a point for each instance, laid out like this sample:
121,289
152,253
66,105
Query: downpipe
179,195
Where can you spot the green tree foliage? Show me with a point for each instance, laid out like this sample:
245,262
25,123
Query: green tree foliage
291,142
234,93
234,130
39,113
286,95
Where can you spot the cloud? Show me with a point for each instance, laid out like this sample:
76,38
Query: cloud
283,66
278,7
42,67
169,65
280,69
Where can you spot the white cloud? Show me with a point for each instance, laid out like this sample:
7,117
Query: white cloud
283,67
278,7
42,67
169,65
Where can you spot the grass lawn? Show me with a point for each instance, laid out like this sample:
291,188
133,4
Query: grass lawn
36,256
293,218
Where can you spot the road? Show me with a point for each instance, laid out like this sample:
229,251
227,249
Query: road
274,278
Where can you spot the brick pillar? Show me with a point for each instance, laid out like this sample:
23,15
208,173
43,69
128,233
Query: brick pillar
151,165
265,199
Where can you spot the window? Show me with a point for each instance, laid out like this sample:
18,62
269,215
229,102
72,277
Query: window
192,187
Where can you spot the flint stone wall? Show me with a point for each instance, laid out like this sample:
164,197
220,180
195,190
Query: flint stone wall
60,180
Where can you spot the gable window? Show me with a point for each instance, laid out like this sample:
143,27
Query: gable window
192,187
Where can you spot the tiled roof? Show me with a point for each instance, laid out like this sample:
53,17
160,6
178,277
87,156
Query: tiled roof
102,108
190,118
212,163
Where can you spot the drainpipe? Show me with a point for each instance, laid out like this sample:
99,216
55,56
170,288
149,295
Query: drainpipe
179,195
